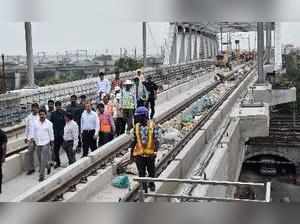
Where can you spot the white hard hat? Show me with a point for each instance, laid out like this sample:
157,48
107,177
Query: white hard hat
118,96
128,82
117,88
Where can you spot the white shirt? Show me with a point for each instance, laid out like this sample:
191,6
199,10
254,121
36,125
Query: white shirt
103,86
71,132
29,121
89,121
42,132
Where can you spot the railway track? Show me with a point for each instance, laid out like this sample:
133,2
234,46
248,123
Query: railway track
12,111
284,131
57,194
82,177
162,164
105,159
19,129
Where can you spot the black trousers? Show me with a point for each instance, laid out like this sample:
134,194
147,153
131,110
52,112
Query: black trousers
143,164
120,125
104,138
68,147
151,104
88,141
58,142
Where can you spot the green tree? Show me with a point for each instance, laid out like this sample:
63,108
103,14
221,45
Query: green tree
127,64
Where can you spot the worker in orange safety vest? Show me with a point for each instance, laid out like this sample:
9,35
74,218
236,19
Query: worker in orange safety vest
106,126
144,146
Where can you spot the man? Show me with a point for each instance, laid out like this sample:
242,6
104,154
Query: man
144,146
71,132
107,126
108,105
81,107
73,108
128,104
140,76
103,86
118,115
50,108
82,100
3,146
58,121
117,82
89,129
29,121
43,136
152,89
141,92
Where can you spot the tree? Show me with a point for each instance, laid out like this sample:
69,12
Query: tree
127,64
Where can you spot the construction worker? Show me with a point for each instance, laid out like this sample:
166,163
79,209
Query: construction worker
106,126
144,146
3,146
141,92
128,103
118,114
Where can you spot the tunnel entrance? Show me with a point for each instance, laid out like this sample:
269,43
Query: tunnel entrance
276,169
270,165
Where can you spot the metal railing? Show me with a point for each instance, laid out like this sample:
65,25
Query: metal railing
199,181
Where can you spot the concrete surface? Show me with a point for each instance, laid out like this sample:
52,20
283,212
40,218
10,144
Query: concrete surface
265,93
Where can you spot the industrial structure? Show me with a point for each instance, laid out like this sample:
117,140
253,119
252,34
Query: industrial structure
200,159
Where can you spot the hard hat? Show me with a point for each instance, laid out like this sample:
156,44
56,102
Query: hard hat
118,96
117,88
142,111
128,82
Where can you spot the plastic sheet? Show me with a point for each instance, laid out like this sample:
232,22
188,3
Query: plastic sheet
121,182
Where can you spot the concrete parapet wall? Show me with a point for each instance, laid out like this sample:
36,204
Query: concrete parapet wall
265,93
224,164
280,96
254,121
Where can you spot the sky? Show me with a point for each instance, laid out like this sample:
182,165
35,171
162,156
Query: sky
101,36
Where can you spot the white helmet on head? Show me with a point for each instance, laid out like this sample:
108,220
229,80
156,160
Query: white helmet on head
128,82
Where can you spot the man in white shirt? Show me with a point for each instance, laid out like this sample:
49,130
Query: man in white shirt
103,86
29,121
71,132
43,136
89,129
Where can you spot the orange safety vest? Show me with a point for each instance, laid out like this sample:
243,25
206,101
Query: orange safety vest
105,125
147,149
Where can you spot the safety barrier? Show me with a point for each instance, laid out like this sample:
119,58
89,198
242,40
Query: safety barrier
198,180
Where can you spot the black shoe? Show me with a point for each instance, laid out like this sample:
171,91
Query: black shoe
56,166
30,172
145,188
49,170
152,187
41,179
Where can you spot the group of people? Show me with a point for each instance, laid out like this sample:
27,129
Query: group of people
83,126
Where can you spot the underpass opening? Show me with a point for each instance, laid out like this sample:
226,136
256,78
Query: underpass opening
277,169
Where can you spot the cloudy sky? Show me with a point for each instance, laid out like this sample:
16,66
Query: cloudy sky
101,36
